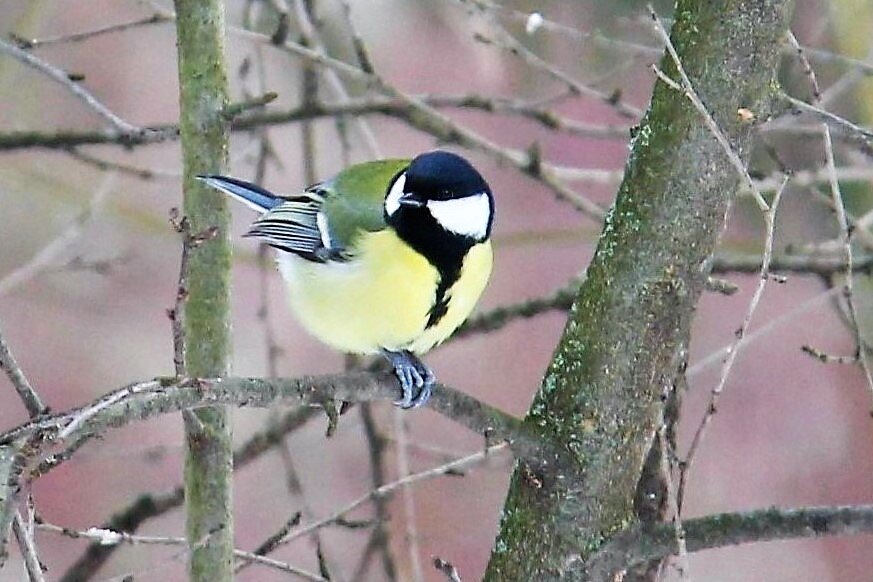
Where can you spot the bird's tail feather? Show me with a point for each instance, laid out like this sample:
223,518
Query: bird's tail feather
249,194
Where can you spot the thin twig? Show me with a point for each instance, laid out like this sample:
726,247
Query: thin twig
826,358
333,80
190,241
860,136
150,505
806,66
425,118
827,56
28,549
802,178
717,356
270,544
32,402
734,349
499,317
447,569
845,83
157,567
177,313
234,110
391,487
668,458
596,38
76,89
23,529
110,537
528,110
504,40
857,231
379,539
355,108
47,257
362,53
309,93
848,285
35,407
121,168
156,18
401,451
193,423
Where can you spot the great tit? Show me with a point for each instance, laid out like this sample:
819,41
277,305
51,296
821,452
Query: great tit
388,256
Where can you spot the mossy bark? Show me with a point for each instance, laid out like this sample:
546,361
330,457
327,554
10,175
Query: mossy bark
204,133
623,349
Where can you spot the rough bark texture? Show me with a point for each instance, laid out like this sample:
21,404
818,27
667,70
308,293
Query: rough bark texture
204,130
10,472
628,331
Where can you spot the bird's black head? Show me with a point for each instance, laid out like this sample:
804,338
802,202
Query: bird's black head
440,192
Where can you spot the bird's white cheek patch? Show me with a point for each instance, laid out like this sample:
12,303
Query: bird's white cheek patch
466,216
392,201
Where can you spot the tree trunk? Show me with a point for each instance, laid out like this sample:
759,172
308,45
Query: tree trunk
624,346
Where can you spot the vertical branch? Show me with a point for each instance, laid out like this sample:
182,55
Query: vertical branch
736,345
204,132
411,533
10,367
379,540
23,530
11,466
309,96
846,240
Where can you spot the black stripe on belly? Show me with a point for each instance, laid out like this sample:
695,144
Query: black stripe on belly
441,299
443,249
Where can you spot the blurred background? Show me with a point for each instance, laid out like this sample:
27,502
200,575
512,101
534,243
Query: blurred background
89,263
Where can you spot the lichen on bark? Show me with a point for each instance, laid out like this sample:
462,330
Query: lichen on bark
204,135
628,330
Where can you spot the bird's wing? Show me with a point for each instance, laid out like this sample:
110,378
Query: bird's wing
294,224
298,225
324,222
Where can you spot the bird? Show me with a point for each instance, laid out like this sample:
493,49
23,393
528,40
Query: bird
389,256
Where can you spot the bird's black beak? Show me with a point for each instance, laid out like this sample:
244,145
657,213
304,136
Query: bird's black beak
411,199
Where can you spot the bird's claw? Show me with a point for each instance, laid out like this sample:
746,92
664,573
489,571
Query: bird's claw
416,379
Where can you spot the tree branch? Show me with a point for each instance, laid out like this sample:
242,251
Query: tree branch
31,43
119,125
149,505
204,129
10,367
371,105
26,446
386,489
112,538
849,255
641,544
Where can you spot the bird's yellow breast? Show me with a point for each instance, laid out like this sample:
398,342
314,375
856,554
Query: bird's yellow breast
381,298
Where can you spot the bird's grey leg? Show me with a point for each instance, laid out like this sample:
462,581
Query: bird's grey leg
416,379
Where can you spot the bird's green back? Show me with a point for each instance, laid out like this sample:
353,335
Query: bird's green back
355,198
